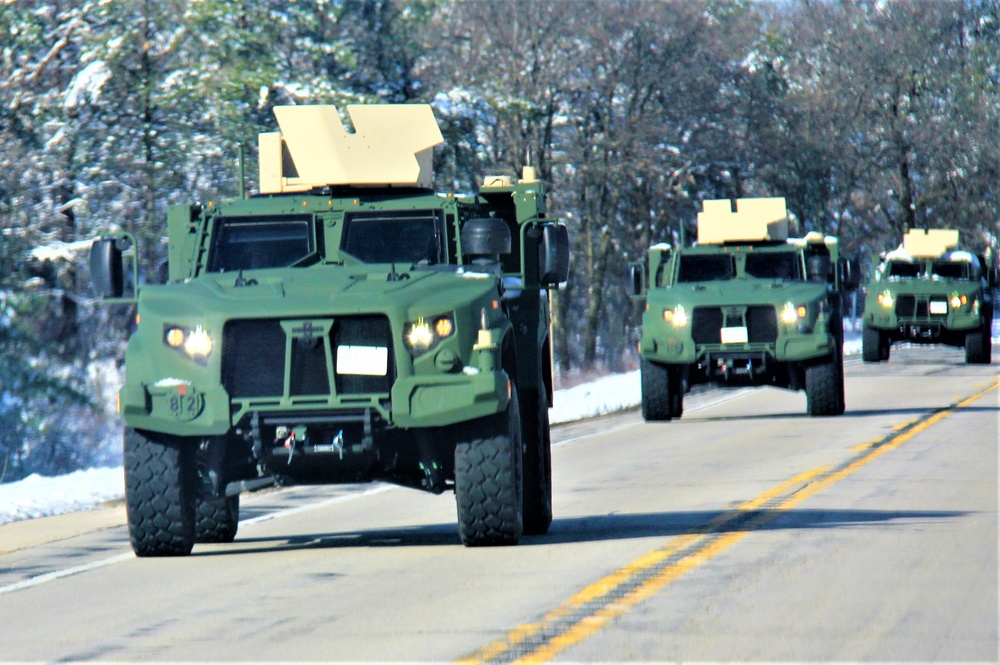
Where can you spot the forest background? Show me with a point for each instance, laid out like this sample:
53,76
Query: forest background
868,117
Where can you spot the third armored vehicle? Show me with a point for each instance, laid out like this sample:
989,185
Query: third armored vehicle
346,324
746,305
927,291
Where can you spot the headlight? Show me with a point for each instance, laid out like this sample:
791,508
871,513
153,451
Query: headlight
195,342
793,313
957,301
423,334
677,316
885,299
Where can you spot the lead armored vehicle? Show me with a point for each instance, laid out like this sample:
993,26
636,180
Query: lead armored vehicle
346,324
927,291
746,305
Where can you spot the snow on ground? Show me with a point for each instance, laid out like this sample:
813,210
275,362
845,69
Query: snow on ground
36,496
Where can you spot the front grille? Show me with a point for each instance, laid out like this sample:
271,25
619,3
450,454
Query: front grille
706,325
918,307
253,357
762,324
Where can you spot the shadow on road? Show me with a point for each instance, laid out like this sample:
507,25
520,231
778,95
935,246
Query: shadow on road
591,529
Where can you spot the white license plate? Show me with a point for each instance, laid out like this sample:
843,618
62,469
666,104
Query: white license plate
736,335
365,360
939,307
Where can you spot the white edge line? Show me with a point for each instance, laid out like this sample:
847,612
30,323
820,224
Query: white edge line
125,556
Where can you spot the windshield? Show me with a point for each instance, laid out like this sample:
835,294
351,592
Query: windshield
902,269
413,237
250,243
773,265
950,269
705,267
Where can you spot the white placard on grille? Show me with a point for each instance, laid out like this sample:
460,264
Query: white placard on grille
365,360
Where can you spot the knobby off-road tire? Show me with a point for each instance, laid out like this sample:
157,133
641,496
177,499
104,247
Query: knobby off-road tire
217,518
160,487
675,377
978,348
655,387
825,387
537,462
871,345
489,479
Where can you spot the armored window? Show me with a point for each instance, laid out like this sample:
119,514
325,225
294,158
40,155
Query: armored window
950,269
705,267
410,237
774,265
902,269
252,243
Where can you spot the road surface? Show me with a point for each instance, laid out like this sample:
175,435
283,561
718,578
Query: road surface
746,531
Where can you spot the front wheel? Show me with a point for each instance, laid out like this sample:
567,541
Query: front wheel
978,348
661,399
489,481
825,387
160,486
537,463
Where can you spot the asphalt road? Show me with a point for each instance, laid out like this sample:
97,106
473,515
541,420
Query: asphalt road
746,531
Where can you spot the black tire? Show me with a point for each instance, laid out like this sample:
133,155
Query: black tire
825,387
537,462
657,403
159,495
675,376
978,348
489,480
216,519
871,345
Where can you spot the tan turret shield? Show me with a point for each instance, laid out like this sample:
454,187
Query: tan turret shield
930,243
392,145
752,220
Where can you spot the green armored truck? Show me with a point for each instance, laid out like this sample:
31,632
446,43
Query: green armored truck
927,291
346,324
746,305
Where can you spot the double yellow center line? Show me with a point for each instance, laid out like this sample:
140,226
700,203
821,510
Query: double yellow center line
601,602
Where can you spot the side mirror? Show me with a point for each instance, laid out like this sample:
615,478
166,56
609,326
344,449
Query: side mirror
850,274
553,254
485,237
106,271
637,279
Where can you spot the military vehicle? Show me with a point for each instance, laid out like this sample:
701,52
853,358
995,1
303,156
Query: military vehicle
346,324
746,305
927,291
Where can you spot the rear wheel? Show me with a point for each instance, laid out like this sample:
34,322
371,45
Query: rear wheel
160,484
657,400
537,463
488,479
217,518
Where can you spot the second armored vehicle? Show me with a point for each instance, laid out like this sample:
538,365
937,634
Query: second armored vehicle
928,291
745,306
